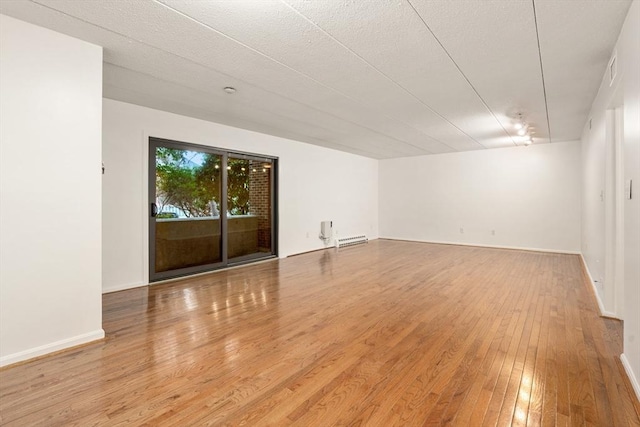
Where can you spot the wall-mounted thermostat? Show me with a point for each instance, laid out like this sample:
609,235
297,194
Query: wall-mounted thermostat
326,228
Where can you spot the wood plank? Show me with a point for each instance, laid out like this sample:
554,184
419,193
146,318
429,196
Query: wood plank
388,333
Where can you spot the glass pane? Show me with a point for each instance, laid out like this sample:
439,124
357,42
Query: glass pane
187,226
249,207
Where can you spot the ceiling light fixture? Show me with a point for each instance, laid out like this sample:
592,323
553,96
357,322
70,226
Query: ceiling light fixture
524,130
520,124
230,90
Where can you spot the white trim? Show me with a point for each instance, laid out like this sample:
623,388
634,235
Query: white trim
50,348
482,245
123,287
603,310
145,206
618,301
284,255
632,378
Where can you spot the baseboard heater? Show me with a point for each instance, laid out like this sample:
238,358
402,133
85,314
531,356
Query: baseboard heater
351,241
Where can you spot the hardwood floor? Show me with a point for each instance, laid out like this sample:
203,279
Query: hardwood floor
389,333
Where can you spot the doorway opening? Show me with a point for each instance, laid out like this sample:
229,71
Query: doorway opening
614,213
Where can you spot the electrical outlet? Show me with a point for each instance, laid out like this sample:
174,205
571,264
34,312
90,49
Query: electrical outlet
461,230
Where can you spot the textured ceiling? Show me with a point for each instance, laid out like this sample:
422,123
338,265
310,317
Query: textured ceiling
380,78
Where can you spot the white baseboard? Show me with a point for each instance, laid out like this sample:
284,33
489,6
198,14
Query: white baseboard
284,255
482,245
632,377
124,287
50,348
603,310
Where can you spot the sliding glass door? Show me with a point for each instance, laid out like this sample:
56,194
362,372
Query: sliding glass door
208,208
249,211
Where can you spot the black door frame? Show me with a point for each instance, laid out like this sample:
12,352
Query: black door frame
225,154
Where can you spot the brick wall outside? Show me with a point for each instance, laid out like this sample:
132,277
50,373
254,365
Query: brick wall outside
260,202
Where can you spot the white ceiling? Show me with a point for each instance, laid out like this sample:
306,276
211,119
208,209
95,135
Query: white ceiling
380,78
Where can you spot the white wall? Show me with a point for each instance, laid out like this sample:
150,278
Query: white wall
315,183
530,196
50,211
625,92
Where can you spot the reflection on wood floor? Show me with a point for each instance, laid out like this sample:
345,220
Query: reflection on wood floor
389,333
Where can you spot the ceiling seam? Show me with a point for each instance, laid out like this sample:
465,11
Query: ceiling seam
461,72
544,87
160,2
426,150
385,76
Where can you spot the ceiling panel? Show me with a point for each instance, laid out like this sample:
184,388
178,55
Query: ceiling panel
576,41
383,79
301,45
236,110
186,108
392,38
495,44
151,24
125,52
243,106
185,103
